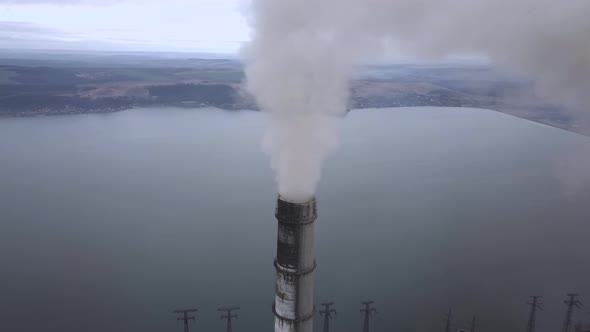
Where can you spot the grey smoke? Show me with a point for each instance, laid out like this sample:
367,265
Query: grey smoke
298,66
542,39
303,54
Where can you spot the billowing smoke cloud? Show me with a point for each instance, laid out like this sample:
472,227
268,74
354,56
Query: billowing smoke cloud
543,39
303,53
297,67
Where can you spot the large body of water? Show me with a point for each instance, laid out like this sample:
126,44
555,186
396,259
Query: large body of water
108,222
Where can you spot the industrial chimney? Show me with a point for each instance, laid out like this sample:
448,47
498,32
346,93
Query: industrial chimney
293,307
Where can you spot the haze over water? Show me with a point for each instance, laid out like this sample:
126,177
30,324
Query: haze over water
111,221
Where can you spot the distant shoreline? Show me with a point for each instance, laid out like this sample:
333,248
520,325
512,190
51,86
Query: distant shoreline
196,107
83,84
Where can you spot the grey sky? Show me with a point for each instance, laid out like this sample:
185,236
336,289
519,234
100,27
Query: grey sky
173,25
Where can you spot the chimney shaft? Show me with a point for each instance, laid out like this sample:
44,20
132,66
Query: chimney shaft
293,307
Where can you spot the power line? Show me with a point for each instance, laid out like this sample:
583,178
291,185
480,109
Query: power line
327,313
448,317
186,317
228,315
571,302
473,324
368,312
535,304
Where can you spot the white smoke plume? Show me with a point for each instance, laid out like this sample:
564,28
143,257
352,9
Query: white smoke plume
297,71
303,53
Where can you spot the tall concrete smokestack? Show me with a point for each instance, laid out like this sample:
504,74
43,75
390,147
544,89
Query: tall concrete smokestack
293,307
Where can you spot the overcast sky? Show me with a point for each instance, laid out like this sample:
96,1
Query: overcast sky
152,25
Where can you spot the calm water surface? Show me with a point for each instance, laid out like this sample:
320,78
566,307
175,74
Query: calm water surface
108,222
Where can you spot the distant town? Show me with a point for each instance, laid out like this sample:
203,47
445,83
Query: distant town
56,83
